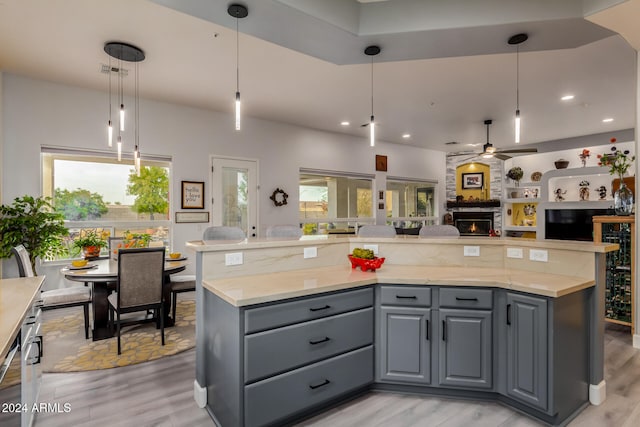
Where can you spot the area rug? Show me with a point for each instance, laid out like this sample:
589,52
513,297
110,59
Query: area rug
66,349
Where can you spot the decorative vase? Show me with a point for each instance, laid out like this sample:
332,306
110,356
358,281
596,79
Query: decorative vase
623,200
91,251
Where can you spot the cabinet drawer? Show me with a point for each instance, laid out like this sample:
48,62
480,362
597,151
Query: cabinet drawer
263,318
275,398
405,295
271,352
466,298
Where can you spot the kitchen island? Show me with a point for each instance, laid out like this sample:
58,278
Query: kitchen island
467,317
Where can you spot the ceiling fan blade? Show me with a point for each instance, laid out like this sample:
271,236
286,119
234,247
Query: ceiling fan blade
501,156
519,150
463,153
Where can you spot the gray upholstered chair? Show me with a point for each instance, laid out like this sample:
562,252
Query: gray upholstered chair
180,283
377,231
439,231
139,286
292,231
222,232
74,296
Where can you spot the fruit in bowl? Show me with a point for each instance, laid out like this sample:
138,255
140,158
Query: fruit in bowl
365,259
79,262
175,255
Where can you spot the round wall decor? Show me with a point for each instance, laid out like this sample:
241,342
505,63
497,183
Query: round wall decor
279,197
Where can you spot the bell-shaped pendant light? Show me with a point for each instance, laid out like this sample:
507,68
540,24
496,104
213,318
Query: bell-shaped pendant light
372,51
238,11
517,40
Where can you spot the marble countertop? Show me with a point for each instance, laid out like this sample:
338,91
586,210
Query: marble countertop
16,296
261,288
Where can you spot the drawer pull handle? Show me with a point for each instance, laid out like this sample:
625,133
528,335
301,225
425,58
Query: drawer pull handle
444,330
427,328
325,339
466,299
320,308
406,297
323,383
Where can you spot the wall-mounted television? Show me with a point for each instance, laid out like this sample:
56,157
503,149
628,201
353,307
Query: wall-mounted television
571,224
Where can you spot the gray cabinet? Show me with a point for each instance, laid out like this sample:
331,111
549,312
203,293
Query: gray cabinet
405,350
466,343
527,349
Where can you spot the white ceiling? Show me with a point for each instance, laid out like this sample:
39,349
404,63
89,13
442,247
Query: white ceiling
191,61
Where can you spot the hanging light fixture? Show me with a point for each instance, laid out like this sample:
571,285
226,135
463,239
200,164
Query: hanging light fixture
517,40
238,11
128,53
372,51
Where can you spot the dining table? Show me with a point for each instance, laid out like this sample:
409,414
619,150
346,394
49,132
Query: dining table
102,276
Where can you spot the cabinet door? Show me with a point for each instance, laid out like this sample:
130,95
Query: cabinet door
405,353
465,348
527,349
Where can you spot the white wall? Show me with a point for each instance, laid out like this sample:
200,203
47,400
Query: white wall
41,113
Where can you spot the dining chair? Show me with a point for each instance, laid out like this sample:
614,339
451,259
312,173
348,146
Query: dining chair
74,296
222,232
442,230
139,286
293,231
377,231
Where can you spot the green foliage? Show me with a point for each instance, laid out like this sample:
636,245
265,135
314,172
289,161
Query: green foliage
79,204
33,223
151,189
618,161
90,238
363,253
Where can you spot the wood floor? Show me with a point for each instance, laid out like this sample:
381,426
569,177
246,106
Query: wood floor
160,393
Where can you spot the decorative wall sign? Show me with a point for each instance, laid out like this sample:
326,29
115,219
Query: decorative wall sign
192,195
192,217
472,180
381,163
279,197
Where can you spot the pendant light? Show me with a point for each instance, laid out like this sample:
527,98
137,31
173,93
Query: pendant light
237,11
128,53
372,51
517,40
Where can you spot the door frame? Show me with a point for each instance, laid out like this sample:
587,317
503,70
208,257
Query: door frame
213,157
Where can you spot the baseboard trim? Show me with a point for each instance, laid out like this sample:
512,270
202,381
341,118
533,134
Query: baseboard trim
199,394
636,341
598,393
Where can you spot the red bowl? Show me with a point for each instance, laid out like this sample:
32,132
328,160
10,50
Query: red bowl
366,264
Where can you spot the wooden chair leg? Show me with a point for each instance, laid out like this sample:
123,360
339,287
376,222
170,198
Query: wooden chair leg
86,321
162,322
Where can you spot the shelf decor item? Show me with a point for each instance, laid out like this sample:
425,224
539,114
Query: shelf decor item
584,190
536,176
561,163
584,156
619,162
516,174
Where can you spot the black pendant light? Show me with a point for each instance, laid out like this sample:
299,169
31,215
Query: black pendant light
129,53
517,40
238,11
372,51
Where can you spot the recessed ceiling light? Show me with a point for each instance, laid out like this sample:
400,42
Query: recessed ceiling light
567,97
607,120
345,123
406,135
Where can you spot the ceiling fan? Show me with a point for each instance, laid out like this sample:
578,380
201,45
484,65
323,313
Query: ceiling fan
488,150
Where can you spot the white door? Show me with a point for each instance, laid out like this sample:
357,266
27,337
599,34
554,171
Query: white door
235,194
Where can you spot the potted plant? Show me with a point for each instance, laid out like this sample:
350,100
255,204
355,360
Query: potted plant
33,223
90,243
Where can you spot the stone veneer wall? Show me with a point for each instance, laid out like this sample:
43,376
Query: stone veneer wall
495,182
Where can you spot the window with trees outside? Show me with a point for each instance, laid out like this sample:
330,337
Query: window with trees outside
96,194
332,202
410,203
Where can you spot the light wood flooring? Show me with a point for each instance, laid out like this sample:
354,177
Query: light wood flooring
160,393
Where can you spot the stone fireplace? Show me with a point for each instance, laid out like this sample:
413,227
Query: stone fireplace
473,223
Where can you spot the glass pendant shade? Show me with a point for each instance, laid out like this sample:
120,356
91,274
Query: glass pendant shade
372,132
110,134
238,110
517,126
119,148
121,117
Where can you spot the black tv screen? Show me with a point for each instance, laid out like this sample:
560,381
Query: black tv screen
571,224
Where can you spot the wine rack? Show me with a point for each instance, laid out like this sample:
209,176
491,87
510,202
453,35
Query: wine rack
620,270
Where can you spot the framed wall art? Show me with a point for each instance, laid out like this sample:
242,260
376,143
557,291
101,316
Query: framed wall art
472,181
192,195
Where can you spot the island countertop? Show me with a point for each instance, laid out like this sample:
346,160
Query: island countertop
261,288
16,296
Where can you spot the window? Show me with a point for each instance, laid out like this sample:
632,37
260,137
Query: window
97,193
410,203
332,202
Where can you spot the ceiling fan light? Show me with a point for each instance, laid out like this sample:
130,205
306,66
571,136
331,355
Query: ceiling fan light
487,155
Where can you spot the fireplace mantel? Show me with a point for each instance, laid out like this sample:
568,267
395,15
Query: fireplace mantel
474,204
